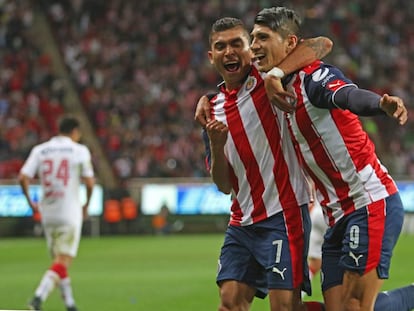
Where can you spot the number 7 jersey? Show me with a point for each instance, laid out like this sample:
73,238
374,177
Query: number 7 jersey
265,173
60,163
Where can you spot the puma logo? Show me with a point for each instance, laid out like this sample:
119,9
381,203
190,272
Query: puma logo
219,266
351,254
275,269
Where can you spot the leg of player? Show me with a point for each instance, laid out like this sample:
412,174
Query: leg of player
63,254
45,287
318,230
314,266
235,296
360,291
236,289
65,284
400,299
280,300
66,290
56,275
306,305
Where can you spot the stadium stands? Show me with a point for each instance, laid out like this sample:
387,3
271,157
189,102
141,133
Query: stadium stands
29,92
140,66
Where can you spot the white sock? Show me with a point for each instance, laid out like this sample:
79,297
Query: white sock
311,275
66,290
47,284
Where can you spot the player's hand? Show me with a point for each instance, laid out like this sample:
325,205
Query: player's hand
202,113
277,95
217,132
394,107
34,206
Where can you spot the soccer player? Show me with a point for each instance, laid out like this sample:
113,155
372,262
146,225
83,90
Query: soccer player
359,197
252,157
61,164
403,296
399,299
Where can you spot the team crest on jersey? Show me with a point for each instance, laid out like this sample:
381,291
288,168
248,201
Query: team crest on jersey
251,83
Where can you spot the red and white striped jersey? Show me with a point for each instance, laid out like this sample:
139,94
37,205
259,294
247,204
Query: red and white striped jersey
266,176
335,150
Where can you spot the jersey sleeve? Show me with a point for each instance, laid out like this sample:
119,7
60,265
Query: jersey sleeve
86,163
31,165
322,84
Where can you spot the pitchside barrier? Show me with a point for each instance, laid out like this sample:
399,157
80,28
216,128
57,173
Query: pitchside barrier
195,201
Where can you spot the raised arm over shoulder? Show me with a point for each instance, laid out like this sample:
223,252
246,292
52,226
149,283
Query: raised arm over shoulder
321,46
306,52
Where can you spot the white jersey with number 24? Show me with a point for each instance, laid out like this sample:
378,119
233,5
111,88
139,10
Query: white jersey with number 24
60,163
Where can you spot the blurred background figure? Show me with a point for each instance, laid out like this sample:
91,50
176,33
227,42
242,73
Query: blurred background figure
160,222
62,164
163,225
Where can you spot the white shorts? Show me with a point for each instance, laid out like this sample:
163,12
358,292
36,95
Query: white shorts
63,239
318,230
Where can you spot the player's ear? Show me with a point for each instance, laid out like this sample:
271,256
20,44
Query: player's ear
292,42
210,56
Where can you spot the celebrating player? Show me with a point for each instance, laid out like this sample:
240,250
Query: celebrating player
252,157
359,197
351,183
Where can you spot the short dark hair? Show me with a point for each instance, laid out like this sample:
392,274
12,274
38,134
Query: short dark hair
280,19
226,23
68,124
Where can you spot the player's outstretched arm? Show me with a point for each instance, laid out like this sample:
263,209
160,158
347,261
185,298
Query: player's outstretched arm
367,103
394,107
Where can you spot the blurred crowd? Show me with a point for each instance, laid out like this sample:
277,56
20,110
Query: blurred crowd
140,66
30,94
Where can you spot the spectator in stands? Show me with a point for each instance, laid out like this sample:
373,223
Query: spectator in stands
24,71
99,40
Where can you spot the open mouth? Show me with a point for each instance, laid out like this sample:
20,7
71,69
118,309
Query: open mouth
232,66
259,57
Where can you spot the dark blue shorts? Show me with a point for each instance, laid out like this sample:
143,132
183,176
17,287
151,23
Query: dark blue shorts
362,241
264,256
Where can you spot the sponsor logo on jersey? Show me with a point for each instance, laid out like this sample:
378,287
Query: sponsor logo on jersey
320,74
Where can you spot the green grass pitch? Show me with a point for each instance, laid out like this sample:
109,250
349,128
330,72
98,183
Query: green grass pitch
146,273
